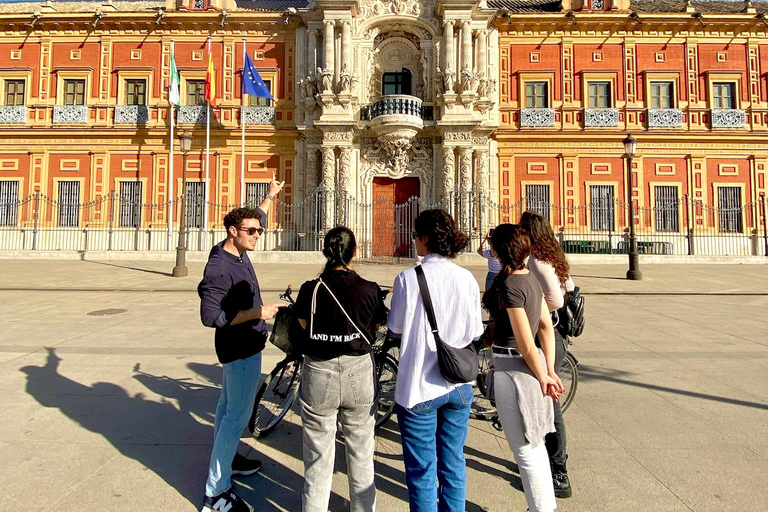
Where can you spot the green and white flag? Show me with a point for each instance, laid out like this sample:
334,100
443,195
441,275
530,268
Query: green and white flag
173,90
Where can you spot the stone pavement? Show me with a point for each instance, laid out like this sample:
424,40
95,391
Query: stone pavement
114,412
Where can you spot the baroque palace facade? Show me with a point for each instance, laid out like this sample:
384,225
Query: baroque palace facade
382,107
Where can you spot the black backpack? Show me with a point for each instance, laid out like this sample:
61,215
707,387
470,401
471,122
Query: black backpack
571,315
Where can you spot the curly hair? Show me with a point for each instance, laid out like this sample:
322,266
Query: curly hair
440,229
544,245
512,244
236,217
338,247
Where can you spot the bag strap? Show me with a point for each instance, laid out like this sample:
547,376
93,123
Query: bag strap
427,299
314,308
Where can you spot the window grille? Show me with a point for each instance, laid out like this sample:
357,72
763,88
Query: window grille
195,204
130,204
602,207
667,209
729,210
255,193
9,203
537,199
69,204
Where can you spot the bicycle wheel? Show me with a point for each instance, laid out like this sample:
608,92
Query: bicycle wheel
569,375
385,400
483,366
275,397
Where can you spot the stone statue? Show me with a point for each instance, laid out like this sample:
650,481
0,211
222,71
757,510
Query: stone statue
491,87
475,80
318,80
345,80
439,83
310,87
449,78
482,87
466,80
300,90
327,75
354,83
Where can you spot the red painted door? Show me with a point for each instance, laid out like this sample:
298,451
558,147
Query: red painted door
395,206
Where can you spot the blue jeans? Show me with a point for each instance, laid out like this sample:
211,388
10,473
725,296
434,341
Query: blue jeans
433,435
239,385
489,277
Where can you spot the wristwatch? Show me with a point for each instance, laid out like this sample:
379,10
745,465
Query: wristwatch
270,197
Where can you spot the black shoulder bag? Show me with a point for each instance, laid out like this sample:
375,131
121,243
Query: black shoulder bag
571,315
457,365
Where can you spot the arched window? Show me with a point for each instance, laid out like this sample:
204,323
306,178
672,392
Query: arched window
396,83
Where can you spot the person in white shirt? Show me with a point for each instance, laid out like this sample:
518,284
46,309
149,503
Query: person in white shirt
433,414
547,262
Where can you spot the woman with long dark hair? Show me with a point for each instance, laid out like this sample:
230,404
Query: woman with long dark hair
524,378
548,264
433,413
339,312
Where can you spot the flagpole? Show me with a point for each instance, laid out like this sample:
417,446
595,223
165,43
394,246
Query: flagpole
242,134
207,147
170,162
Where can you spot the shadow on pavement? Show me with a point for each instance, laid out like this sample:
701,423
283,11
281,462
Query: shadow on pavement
609,375
148,271
124,421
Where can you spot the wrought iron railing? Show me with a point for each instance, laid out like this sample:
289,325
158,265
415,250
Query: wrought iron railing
70,114
396,104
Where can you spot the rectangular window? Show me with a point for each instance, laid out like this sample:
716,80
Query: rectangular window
599,94
602,207
255,101
661,95
536,95
195,92
69,204
14,92
74,92
537,199
667,209
136,92
130,204
255,193
724,94
195,204
9,203
729,211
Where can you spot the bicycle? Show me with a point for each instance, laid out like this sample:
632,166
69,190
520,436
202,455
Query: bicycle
281,387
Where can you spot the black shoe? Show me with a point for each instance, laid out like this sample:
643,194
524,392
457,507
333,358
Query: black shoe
244,466
228,501
562,485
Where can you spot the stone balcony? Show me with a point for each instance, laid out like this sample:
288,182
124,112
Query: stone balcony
728,118
601,117
13,114
665,118
70,114
191,114
258,115
132,114
537,117
398,114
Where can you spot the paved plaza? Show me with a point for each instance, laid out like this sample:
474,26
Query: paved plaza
114,412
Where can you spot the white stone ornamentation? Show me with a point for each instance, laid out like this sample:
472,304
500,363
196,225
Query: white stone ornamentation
728,118
131,114
191,114
259,115
665,117
601,117
70,114
537,117
13,114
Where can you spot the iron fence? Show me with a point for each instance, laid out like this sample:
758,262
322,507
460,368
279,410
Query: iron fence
120,222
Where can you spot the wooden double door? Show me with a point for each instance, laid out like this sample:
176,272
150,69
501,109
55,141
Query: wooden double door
395,206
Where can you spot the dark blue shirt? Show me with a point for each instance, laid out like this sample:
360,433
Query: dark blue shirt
229,286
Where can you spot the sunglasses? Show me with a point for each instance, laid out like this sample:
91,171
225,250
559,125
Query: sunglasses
252,231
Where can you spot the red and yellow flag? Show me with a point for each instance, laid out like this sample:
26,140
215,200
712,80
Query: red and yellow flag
210,83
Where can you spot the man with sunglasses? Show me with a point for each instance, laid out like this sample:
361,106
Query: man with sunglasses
230,301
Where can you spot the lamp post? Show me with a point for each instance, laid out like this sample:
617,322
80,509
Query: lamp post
634,274
180,270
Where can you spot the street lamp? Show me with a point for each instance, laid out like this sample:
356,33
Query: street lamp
180,270
634,274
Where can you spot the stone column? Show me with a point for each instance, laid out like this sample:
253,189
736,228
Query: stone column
301,53
346,46
448,55
309,205
310,182
481,185
465,190
482,52
327,178
329,46
466,45
312,63
449,178
345,180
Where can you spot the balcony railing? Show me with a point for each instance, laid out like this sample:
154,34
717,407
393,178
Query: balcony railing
258,115
537,117
665,118
191,114
396,104
131,114
70,114
13,114
728,118
601,117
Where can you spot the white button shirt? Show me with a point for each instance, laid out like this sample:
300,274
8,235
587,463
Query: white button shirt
456,300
